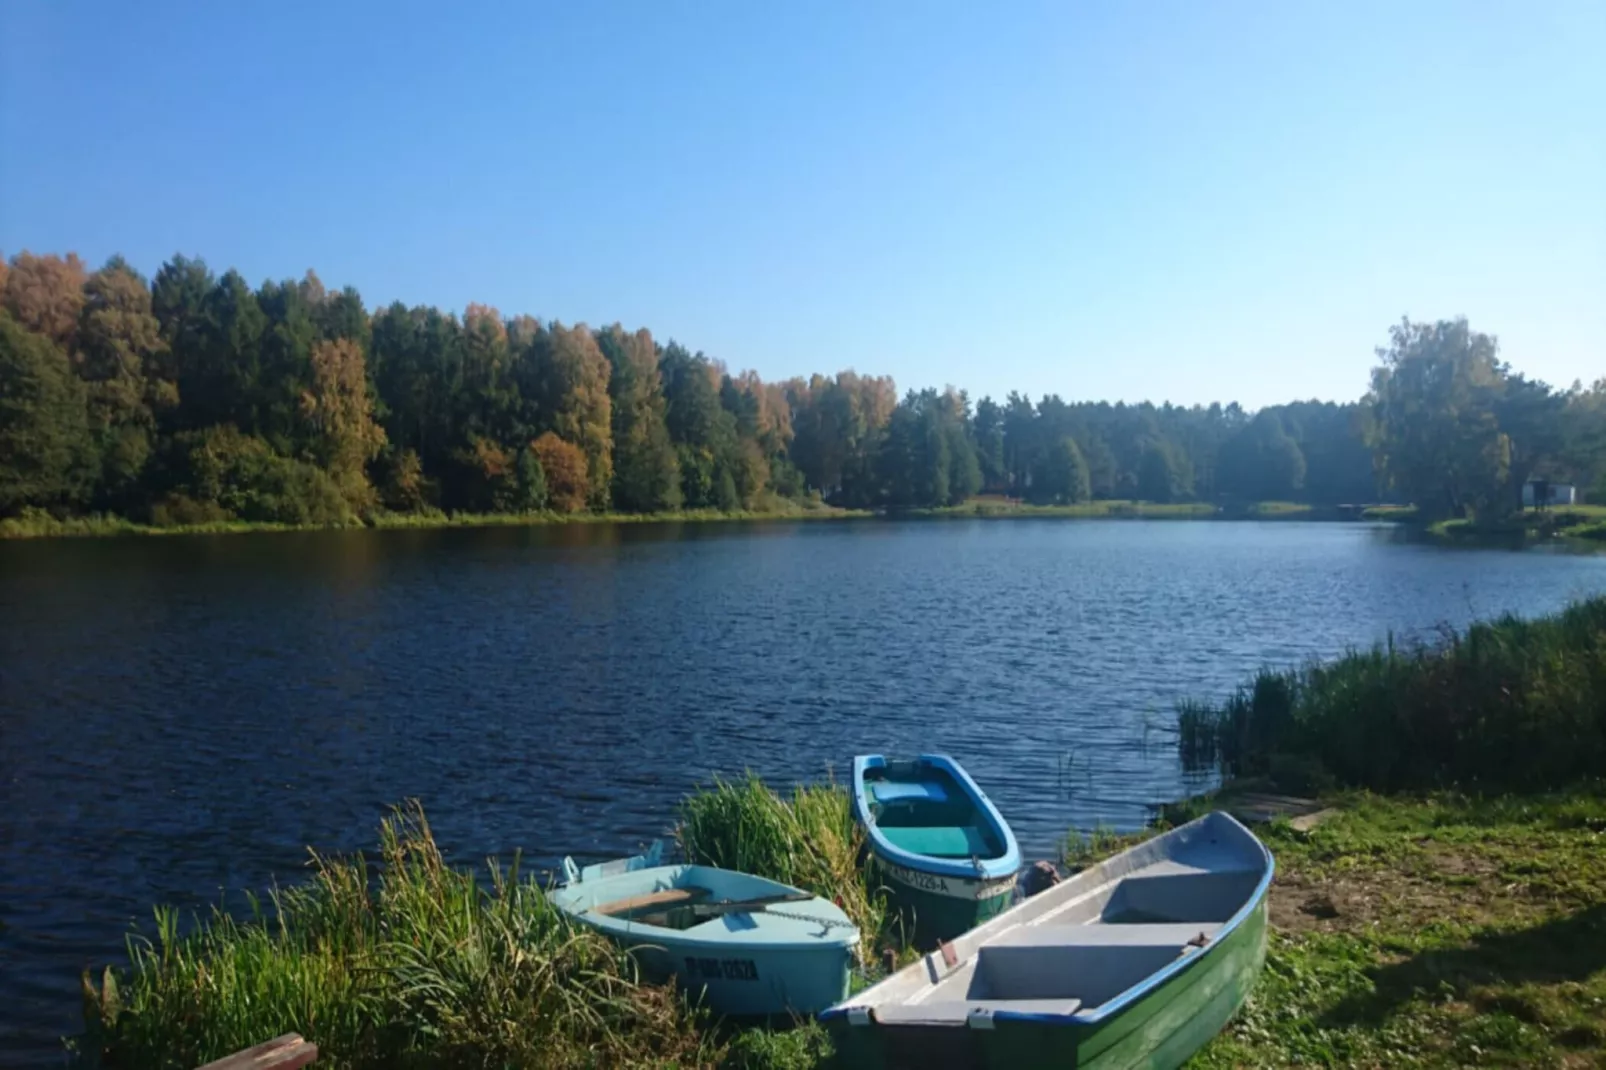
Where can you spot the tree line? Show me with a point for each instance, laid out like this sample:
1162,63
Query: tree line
194,397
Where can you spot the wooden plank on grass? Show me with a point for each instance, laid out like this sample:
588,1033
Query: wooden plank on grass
289,1052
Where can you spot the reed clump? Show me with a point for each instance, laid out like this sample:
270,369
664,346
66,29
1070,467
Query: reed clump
809,841
1508,704
409,963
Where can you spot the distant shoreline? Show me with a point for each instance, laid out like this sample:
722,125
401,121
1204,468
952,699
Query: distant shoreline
1584,523
42,526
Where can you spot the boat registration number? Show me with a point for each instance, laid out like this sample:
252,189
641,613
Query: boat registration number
931,882
722,969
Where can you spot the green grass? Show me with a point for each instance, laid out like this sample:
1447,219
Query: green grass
409,963
1569,521
810,841
1510,704
994,507
35,524
1279,509
1433,931
1398,513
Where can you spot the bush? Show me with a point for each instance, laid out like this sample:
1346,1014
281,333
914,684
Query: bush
1507,704
563,469
245,477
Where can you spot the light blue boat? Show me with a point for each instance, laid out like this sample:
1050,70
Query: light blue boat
945,855
749,947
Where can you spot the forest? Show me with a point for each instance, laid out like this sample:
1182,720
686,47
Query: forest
194,398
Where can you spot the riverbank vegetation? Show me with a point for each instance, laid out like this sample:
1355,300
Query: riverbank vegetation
1510,704
197,401
407,962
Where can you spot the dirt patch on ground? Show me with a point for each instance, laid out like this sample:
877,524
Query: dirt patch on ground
1445,884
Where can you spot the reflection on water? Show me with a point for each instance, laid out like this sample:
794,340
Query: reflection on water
183,716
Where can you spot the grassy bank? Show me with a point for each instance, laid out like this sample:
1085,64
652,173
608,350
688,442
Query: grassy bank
38,524
1439,930
41,525
991,507
408,963
1582,522
1509,704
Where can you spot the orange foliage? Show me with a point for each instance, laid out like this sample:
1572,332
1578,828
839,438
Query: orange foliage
45,294
567,483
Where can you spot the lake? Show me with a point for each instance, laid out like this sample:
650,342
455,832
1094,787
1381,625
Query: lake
180,716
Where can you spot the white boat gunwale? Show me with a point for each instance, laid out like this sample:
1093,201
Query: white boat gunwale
857,1012
840,932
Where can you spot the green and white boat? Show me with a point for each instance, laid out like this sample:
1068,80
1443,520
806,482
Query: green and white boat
942,851
1136,962
747,946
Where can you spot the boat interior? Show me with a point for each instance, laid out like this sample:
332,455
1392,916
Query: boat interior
1091,943
923,810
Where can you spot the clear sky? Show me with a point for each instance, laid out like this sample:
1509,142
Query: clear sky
1176,200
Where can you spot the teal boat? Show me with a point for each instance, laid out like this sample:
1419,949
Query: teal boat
942,851
747,946
1136,962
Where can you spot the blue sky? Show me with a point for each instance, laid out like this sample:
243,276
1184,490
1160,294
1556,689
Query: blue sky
1163,200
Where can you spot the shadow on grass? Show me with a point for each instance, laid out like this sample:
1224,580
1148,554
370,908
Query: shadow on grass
1565,949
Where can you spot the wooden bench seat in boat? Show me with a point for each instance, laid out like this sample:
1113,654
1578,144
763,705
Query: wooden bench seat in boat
669,897
940,841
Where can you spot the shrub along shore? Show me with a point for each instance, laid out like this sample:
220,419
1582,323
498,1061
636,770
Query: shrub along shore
1459,920
39,524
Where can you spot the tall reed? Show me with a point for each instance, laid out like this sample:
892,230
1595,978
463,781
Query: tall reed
1505,704
414,964
810,841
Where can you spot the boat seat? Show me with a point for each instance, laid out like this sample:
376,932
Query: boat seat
886,791
958,1011
1092,962
940,841
1099,934
665,899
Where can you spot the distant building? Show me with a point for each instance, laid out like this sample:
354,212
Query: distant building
1543,493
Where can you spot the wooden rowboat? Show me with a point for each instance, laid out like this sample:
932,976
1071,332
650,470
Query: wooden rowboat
942,851
1138,961
750,947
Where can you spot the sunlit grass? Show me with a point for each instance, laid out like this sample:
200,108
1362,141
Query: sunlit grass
810,841
410,963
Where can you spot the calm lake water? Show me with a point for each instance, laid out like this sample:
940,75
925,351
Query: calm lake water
180,716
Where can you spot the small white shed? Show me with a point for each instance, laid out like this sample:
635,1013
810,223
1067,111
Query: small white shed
1544,493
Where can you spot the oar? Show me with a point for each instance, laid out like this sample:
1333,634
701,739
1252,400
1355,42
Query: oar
744,906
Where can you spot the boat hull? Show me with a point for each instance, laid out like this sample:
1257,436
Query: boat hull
935,907
747,982
942,853
1161,1031
766,949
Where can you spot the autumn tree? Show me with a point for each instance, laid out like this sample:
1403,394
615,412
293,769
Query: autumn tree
122,360
566,379
44,294
565,469
339,417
